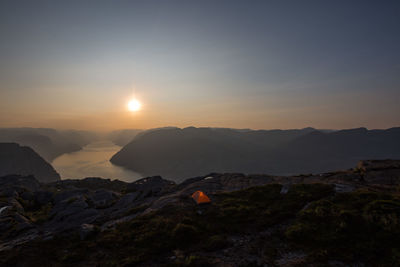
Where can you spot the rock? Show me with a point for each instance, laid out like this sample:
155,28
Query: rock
22,183
43,197
344,188
16,205
150,186
126,201
94,203
285,189
69,195
91,183
291,258
86,230
372,165
103,198
70,212
380,171
2,209
27,195
226,182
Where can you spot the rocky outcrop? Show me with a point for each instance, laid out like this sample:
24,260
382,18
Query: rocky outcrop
372,165
380,171
30,210
15,159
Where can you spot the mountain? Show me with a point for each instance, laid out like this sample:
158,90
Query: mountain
15,159
321,151
342,218
48,143
181,153
123,137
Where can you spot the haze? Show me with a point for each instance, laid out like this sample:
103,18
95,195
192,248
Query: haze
268,64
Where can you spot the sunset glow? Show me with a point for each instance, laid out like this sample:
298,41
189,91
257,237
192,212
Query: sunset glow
134,105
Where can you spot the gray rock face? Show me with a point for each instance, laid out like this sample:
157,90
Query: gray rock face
150,186
11,183
30,210
103,198
380,171
15,159
371,165
86,230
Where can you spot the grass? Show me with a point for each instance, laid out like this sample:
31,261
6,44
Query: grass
361,225
352,227
40,215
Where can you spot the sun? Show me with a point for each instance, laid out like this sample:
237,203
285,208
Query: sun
134,105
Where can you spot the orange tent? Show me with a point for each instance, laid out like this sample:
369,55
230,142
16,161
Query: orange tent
200,197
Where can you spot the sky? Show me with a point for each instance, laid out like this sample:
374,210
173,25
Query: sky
239,64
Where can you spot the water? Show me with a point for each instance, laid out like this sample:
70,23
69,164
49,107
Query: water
93,161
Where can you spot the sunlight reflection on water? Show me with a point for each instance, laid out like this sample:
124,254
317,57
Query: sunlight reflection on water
93,161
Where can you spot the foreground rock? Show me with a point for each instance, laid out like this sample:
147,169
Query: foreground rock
252,219
380,171
15,159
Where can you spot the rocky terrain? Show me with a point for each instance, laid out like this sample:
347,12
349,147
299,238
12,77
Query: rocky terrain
343,218
183,153
15,159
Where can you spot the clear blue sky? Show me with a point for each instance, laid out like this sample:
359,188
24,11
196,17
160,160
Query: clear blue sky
242,64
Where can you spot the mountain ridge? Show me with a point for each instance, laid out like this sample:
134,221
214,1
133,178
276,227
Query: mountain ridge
182,153
48,143
22,160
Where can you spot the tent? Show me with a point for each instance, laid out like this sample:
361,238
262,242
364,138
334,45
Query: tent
200,197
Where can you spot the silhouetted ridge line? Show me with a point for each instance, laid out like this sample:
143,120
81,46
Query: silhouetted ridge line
181,153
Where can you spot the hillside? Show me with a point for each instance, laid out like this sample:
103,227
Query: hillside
15,159
182,153
344,218
123,137
48,143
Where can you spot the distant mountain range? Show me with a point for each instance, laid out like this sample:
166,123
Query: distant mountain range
48,143
181,153
123,137
15,159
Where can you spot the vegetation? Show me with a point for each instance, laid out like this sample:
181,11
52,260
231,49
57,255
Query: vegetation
361,225
357,227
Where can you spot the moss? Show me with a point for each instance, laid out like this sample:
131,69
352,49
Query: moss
72,200
3,199
360,225
41,215
352,227
184,234
216,242
194,260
